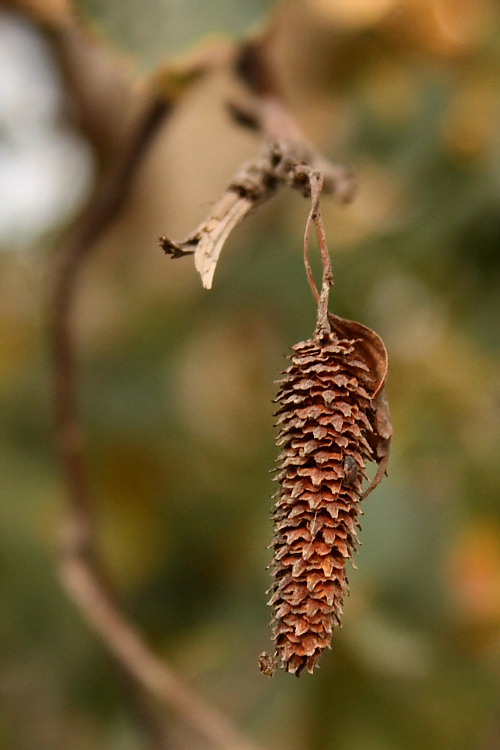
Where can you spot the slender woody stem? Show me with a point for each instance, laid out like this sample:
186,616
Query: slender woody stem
322,326
327,281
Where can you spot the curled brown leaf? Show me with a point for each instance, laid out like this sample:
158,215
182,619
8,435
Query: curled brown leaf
372,354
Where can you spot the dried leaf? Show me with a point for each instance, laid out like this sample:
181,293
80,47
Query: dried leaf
380,440
372,354
213,235
267,664
368,347
250,186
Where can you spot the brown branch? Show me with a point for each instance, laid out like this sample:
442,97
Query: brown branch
282,162
78,538
286,159
81,570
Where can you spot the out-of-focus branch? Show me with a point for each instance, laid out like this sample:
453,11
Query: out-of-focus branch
104,207
86,588
79,549
83,575
286,159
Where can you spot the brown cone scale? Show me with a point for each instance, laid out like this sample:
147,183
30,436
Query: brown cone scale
327,421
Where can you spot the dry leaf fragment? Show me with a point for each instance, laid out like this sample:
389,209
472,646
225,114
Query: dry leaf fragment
267,664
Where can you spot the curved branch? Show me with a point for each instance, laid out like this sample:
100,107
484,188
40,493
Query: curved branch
81,571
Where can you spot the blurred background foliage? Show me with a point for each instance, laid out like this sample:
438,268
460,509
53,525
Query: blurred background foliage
177,382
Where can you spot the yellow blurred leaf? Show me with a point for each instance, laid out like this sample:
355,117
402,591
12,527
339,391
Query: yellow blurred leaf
473,573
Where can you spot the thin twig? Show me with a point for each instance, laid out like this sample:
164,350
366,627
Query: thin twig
322,323
307,255
81,570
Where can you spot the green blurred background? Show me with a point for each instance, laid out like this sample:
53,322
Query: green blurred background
177,382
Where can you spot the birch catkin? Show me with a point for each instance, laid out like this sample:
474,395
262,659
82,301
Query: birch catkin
327,420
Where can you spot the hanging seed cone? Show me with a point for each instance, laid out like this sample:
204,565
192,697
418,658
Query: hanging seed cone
332,419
